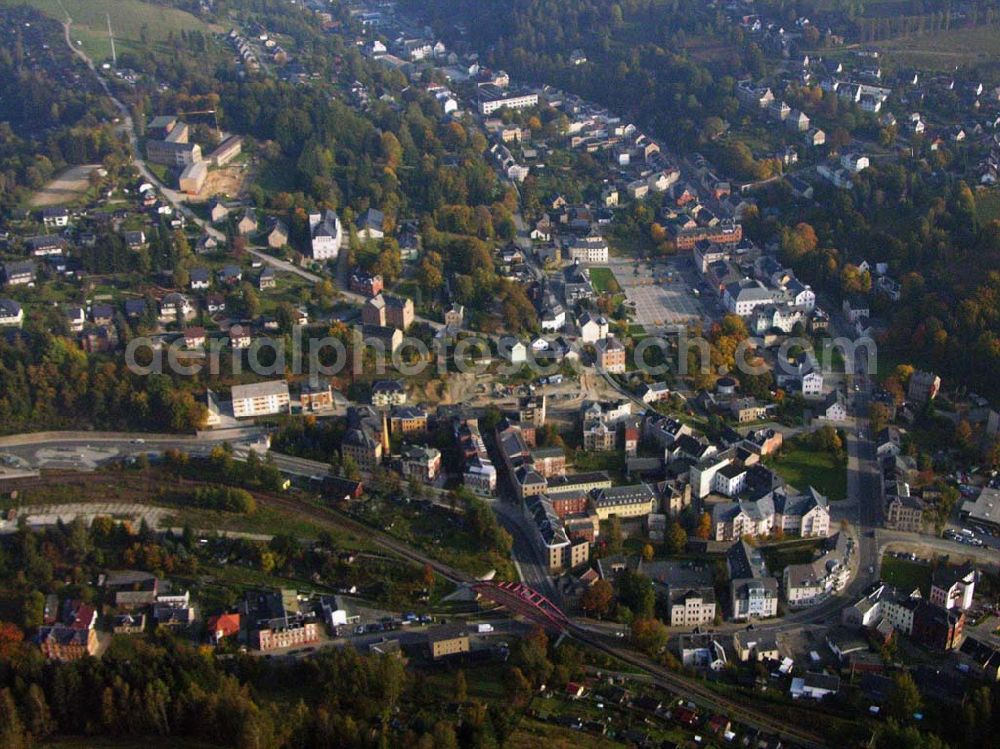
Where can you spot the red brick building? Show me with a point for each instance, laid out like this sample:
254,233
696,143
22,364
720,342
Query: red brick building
568,503
937,627
366,284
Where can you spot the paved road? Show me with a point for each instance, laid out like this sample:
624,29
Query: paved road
83,451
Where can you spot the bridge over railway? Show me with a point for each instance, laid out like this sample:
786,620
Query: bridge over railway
522,600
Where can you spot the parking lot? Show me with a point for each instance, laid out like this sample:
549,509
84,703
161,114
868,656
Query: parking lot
662,295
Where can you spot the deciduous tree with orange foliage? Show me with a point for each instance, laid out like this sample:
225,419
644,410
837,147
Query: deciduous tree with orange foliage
11,637
704,530
598,599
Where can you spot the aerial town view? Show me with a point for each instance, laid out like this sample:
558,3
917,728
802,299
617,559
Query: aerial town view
473,374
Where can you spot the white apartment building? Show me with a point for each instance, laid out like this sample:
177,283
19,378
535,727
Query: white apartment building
590,250
692,608
493,99
261,399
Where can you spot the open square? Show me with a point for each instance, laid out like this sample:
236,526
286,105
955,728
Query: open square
662,298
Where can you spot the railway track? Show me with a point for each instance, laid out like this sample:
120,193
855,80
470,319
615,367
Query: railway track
682,686
692,689
385,541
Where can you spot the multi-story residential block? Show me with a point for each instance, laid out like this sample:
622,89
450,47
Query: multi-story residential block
814,582
724,233
175,306
692,608
568,502
388,393
610,355
407,420
18,273
753,593
763,441
883,604
361,446
367,284
598,436
937,627
580,482
276,621
261,399
493,98
557,548
479,474
316,397
384,340
903,512
61,643
177,155
637,500
532,410
388,311
55,217
589,250
923,387
549,461
806,515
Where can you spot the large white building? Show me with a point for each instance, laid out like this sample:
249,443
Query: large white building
691,608
493,98
742,297
327,235
260,399
589,250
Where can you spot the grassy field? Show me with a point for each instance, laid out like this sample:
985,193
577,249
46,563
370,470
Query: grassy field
946,49
130,21
603,281
907,575
803,467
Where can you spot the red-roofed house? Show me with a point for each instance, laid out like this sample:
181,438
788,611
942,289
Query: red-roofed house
223,625
574,690
79,615
718,725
